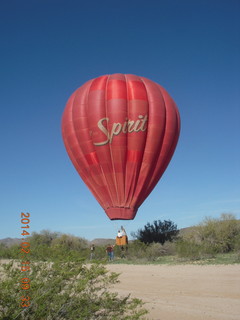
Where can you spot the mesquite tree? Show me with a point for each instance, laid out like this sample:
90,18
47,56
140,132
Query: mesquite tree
158,231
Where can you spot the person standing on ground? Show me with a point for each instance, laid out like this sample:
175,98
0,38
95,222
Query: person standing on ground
92,249
110,253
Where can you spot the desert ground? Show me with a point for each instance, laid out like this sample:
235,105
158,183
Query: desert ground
183,292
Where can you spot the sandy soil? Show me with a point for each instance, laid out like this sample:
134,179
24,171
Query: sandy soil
183,292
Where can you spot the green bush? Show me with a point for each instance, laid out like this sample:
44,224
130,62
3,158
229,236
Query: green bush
65,291
220,234
192,250
158,231
48,245
70,242
141,252
154,251
100,253
12,252
211,237
236,243
136,250
4,252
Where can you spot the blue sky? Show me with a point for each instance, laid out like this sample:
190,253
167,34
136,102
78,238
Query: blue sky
50,48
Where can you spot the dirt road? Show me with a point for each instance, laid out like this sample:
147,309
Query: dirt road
183,292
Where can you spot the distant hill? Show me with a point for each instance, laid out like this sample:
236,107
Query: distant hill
97,242
186,230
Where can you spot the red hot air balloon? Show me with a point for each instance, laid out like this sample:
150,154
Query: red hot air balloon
120,132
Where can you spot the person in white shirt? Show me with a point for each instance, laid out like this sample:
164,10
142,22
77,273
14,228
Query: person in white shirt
119,235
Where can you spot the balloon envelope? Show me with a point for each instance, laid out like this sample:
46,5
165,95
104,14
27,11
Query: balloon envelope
120,132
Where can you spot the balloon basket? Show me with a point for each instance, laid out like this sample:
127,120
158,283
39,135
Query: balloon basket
122,241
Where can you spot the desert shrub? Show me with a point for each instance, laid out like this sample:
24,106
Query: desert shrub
236,243
169,248
192,250
48,245
4,252
70,242
44,237
56,246
99,253
140,251
154,251
220,234
11,252
136,250
69,246
65,291
210,237
158,231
